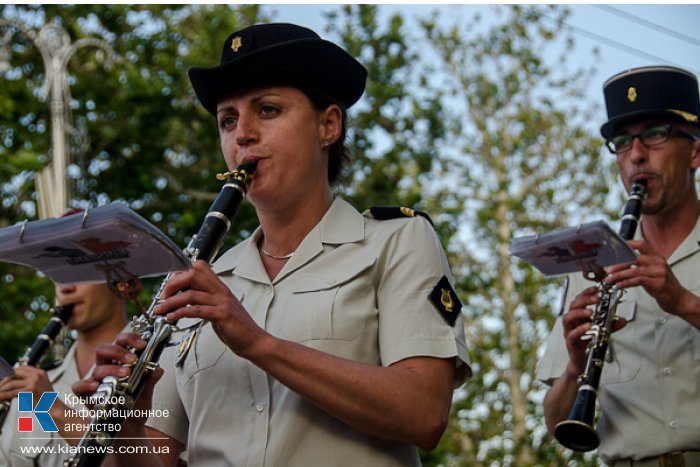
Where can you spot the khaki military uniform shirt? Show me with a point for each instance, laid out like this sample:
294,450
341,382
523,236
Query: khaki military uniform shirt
53,446
356,288
650,392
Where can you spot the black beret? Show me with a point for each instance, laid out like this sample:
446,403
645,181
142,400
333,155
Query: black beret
280,54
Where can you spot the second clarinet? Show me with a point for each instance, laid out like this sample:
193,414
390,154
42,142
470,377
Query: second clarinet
60,316
114,396
578,432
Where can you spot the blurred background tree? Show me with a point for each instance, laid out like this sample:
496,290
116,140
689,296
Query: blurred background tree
479,123
522,160
139,135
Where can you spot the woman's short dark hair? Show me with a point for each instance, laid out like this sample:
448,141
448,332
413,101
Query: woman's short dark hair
338,154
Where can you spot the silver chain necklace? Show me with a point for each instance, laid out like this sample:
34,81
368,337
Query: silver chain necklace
268,254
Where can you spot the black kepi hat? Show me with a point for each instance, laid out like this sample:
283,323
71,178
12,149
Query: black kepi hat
280,54
650,92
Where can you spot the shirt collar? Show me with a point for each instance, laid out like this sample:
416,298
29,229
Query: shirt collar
689,246
342,223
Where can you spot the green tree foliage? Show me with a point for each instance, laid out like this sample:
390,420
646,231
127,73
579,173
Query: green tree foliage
523,152
396,127
139,136
483,126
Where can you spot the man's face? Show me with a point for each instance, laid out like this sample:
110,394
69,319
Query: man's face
94,305
667,168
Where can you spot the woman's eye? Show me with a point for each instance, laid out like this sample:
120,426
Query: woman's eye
268,110
228,121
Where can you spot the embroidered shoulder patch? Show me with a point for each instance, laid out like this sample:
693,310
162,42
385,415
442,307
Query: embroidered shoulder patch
394,212
445,300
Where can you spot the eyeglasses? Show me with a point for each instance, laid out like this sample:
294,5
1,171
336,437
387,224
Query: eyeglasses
650,137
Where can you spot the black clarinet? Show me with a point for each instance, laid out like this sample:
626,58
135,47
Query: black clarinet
577,432
42,343
115,396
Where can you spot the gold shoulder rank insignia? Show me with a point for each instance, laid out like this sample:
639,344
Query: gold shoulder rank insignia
445,300
394,212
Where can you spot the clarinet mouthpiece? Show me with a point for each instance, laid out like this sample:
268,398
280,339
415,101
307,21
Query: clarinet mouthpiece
246,167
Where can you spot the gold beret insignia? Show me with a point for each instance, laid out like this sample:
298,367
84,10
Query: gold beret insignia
236,43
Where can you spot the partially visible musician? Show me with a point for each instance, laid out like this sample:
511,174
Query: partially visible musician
333,338
98,315
649,396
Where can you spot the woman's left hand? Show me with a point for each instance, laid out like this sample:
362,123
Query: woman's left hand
199,293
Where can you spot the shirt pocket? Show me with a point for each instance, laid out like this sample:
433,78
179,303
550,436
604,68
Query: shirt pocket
691,281
204,352
206,349
695,341
331,305
623,360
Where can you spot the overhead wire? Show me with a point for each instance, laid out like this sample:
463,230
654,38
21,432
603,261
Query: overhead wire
619,45
649,24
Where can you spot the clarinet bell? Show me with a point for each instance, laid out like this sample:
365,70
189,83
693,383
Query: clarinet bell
577,433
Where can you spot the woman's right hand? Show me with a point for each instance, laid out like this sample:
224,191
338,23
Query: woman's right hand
110,360
116,360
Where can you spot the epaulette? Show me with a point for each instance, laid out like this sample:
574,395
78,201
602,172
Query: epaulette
395,212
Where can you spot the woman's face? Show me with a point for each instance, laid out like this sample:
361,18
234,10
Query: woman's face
278,127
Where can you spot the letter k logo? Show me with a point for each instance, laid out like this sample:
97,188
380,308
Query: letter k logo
41,411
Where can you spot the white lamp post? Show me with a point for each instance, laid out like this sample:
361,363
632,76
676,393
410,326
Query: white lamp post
56,50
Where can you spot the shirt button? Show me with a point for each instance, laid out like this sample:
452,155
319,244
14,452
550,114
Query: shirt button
673,424
666,371
662,320
260,406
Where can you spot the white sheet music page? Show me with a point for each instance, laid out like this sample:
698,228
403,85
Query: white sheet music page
589,246
108,243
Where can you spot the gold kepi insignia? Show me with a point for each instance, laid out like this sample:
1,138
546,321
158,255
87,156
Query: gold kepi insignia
236,43
632,94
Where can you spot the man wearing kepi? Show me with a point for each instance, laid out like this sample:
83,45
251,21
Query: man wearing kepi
333,338
649,395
